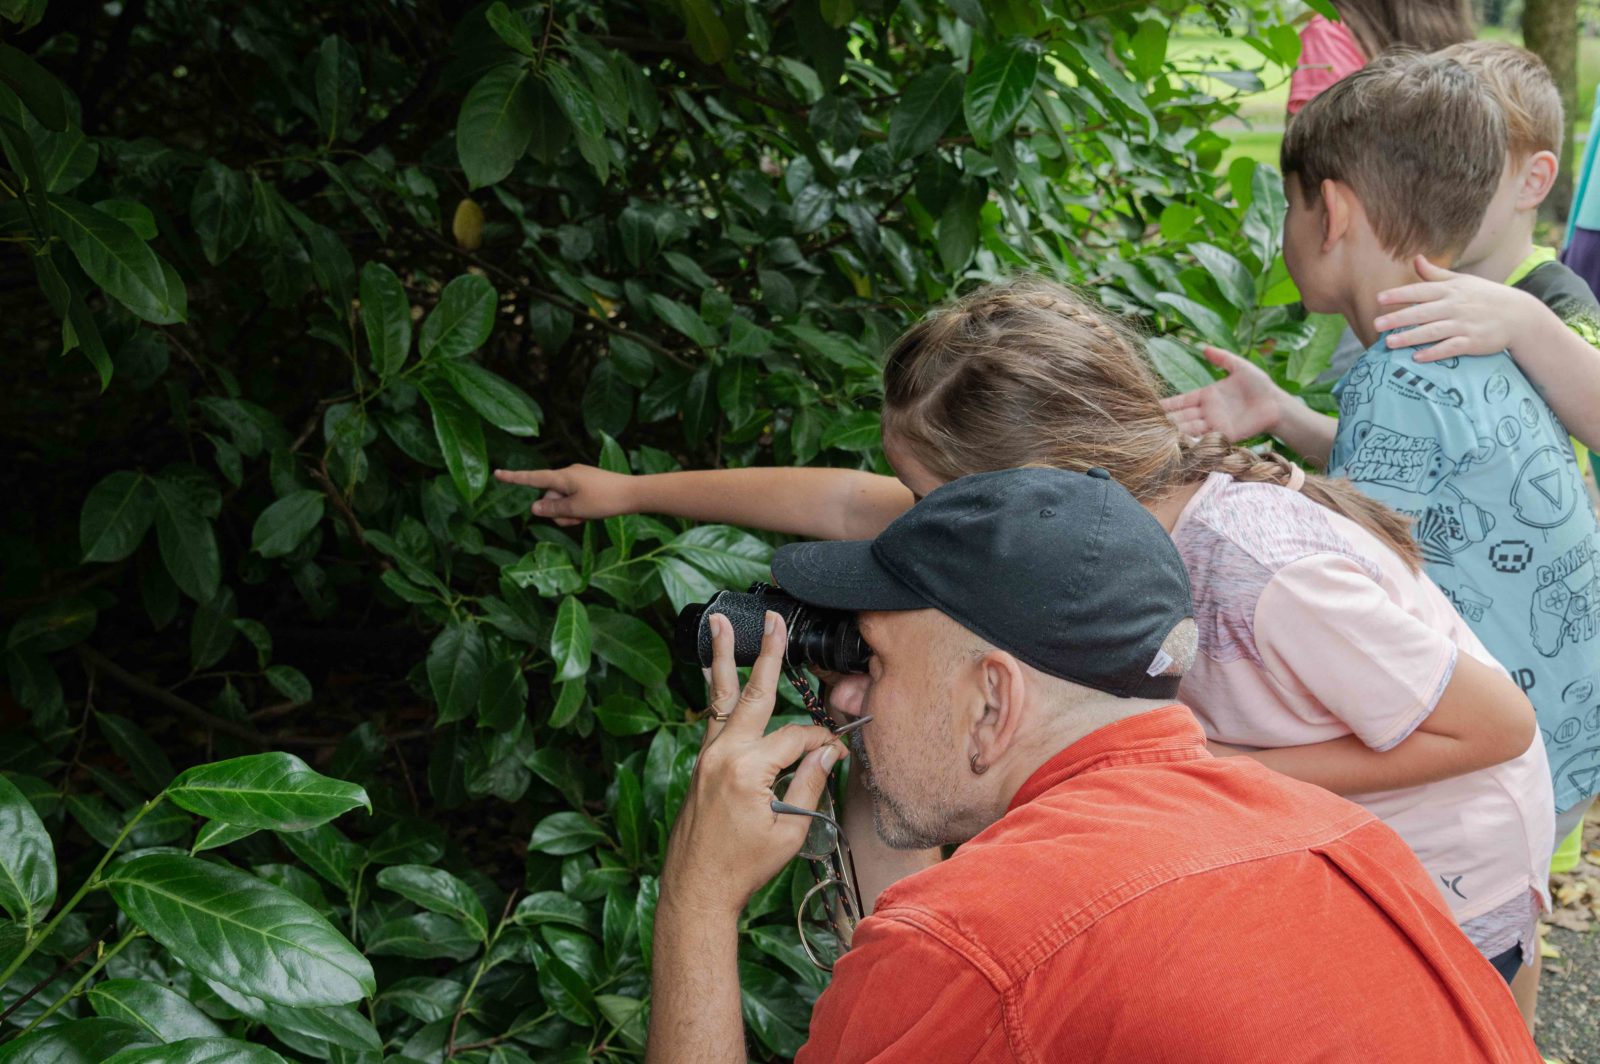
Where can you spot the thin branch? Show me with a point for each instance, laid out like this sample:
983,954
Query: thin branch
181,706
61,969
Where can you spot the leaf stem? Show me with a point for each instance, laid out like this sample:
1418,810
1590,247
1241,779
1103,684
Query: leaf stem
105,957
92,883
483,966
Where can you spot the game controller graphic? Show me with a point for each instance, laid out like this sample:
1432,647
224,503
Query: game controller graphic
1563,603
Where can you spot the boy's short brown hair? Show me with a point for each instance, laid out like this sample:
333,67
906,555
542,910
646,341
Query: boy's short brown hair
1535,120
1418,138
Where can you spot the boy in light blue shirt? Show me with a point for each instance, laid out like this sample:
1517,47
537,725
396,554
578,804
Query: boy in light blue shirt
1399,160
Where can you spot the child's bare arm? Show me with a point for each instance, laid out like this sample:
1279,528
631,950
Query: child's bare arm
818,503
1481,719
1247,403
1463,315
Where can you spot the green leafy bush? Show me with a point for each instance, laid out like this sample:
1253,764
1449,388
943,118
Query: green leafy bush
281,284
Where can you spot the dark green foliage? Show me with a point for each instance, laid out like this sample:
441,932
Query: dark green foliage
280,286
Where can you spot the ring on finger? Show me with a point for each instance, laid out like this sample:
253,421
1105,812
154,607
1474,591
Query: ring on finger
719,717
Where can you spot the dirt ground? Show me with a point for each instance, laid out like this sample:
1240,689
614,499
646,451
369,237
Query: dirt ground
1569,995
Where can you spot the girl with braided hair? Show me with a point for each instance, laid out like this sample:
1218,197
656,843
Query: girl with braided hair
1323,650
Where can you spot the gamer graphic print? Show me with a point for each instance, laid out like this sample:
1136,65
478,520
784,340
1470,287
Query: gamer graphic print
1468,450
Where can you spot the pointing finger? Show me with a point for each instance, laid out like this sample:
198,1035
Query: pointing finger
528,478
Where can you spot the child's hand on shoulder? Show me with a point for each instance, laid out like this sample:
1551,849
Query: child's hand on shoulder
575,494
1457,313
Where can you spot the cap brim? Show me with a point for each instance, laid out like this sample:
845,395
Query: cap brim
841,576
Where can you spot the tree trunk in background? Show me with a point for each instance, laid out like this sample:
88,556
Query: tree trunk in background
1550,29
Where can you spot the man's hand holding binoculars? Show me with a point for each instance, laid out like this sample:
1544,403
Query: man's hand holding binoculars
727,841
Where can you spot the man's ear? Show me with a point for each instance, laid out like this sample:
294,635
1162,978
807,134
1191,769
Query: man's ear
1538,178
1338,207
1005,690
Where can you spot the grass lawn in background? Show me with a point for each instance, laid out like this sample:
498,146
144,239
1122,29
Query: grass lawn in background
1259,130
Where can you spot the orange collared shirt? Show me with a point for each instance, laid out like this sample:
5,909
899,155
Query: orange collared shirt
1142,901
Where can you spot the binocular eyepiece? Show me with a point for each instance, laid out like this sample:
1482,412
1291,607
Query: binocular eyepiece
821,640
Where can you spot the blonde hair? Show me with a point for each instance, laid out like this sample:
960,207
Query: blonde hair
1027,372
1419,139
1535,119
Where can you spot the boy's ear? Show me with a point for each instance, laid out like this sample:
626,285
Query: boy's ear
1538,178
1337,207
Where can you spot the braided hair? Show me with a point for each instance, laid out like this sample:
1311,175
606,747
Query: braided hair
1028,372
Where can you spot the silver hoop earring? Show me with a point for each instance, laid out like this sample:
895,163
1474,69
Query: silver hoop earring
977,769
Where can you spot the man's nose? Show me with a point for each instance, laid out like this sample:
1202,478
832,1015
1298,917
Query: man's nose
845,694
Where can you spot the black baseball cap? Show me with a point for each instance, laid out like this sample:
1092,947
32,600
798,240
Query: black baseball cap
1064,570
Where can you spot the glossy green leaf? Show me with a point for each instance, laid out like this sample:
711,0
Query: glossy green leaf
289,682
1178,365
548,569
437,891
117,260
1207,322
89,1041
166,1015
426,936
336,1025
707,35
510,28
146,760
36,87
928,104
998,89
272,791
283,525
629,816
240,931
571,640
216,833
27,859
457,661
683,319
188,543
199,1051
327,852
1230,274
564,833
67,159
622,714
498,401
386,316
460,436
503,700
211,633
56,625
734,558
631,645
550,907
462,320
496,123
338,85
220,210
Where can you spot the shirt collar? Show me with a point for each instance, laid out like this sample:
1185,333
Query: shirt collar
1167,734
1540,255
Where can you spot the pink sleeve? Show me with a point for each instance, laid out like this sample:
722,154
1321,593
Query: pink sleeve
1324,626
1328,53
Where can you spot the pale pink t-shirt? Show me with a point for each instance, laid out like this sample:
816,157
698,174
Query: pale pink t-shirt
1328,53
1311,629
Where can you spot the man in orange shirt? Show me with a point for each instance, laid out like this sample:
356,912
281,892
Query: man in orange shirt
1118,894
